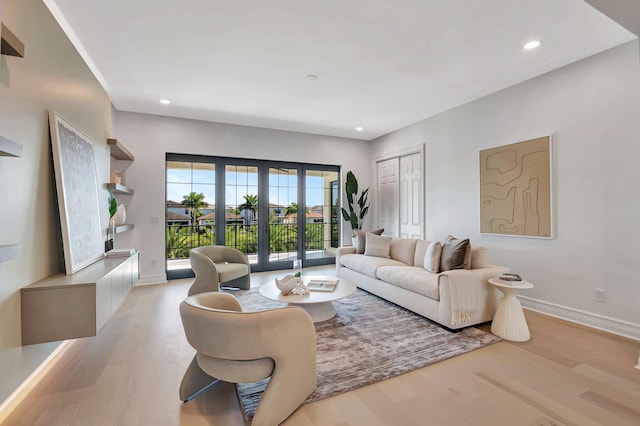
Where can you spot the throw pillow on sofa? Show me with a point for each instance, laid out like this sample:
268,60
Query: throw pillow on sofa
432,257
362,240
377,245
467,255
456,254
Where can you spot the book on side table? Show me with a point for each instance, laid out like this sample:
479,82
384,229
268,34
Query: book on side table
327,285
512,279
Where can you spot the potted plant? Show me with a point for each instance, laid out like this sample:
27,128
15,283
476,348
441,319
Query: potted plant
358,205
113,208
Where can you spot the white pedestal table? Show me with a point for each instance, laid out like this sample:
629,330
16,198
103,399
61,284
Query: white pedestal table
509,321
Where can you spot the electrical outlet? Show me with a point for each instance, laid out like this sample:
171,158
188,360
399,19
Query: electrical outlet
601,295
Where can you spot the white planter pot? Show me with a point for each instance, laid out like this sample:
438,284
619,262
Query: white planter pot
120,216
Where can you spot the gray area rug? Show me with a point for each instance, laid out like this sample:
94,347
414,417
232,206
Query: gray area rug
369,340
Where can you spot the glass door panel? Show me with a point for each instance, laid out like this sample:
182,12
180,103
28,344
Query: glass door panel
190,217
274,212
282,227
322,220
241,210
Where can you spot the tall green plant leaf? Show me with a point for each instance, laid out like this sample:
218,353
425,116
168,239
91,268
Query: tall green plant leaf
356,213
351,184
363,212
345,215
354,221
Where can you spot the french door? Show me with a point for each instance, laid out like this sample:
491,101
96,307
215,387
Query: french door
399,194
274,212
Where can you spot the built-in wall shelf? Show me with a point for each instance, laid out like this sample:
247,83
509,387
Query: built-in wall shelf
121,159
118,151
9,251
123,228
9,148
116,188
10,45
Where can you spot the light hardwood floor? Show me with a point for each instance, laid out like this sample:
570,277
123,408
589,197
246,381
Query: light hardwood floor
129,375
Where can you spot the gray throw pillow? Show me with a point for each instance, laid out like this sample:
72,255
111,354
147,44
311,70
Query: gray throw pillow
432,257
362,240
377,245
454,254
467,255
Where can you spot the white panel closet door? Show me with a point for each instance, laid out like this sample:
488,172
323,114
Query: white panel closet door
411,196
387,210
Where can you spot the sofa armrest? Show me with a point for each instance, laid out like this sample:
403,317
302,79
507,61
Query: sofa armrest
472,294
481,274
345,250
342,251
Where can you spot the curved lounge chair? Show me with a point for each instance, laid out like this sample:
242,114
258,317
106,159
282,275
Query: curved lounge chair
245,347
216,265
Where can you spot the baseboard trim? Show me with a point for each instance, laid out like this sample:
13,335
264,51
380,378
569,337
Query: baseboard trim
22,391
152,279
600,322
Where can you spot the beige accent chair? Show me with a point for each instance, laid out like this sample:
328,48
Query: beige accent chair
246,347
216,265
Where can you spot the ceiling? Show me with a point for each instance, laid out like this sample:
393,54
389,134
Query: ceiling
379,64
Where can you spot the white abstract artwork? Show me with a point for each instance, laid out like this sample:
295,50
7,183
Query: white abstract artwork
76,183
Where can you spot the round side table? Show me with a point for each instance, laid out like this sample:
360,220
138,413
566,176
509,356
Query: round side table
509,321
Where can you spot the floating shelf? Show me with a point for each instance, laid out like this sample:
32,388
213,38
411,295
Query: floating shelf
9,148
118,151
62,307
123,228
116,188
11,45
9,251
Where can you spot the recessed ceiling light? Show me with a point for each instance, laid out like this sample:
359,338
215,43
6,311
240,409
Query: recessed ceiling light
312,76
165,101
532,45
359,129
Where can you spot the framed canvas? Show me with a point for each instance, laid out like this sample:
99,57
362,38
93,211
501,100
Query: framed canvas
516,191
77,186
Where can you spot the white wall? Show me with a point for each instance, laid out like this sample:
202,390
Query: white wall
592,110
149,137
51,76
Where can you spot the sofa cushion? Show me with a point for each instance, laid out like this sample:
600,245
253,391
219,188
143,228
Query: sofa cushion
454,254
421,250
478,257
403,249
362,240
413,278
367,265
377,245
432,257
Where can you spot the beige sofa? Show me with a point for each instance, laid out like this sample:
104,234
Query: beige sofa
455,298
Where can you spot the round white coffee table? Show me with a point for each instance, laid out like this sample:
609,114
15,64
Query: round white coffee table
509,321
317,303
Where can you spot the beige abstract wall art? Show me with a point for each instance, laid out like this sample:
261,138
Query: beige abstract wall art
515,189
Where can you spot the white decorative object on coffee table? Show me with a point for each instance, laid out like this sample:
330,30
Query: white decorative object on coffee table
509,321
317,304
286,284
